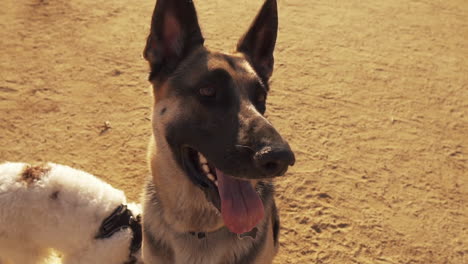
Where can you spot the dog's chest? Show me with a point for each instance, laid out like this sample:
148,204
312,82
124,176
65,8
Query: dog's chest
217,247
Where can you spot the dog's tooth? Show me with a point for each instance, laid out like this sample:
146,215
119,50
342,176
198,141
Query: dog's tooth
210,176
202,158
216,182
206,168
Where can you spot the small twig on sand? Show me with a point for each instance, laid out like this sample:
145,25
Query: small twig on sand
104,128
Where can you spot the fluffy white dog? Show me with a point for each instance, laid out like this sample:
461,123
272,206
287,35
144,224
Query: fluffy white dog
52,206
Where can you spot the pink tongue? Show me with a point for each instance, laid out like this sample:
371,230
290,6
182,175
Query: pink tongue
241,206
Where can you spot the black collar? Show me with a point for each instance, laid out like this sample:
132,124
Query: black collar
252,234
120,219
200,235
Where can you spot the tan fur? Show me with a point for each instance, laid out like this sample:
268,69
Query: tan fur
161,92
268,253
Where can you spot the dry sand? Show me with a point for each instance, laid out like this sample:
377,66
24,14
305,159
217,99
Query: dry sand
373,96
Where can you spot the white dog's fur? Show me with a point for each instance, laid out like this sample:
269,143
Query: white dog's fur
60,208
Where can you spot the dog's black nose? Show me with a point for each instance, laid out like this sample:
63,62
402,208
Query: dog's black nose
274,161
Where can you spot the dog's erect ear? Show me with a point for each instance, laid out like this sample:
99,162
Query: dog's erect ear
174,34
258,43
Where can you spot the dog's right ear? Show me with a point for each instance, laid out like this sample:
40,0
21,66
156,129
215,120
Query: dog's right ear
259,42
174,34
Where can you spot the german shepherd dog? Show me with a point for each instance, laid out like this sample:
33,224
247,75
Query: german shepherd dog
213,153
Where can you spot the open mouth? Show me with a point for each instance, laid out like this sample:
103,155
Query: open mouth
201,173
239,203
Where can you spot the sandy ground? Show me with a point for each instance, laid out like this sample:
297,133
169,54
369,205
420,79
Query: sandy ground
373,96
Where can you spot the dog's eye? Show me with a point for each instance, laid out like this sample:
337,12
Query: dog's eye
208,91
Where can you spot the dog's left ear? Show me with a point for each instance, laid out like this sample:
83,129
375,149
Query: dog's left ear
174,34
259,42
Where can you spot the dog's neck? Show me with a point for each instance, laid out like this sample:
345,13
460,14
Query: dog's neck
161,237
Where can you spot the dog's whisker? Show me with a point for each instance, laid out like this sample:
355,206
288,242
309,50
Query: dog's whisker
245,147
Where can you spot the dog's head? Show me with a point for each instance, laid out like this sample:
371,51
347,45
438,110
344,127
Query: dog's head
209,108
